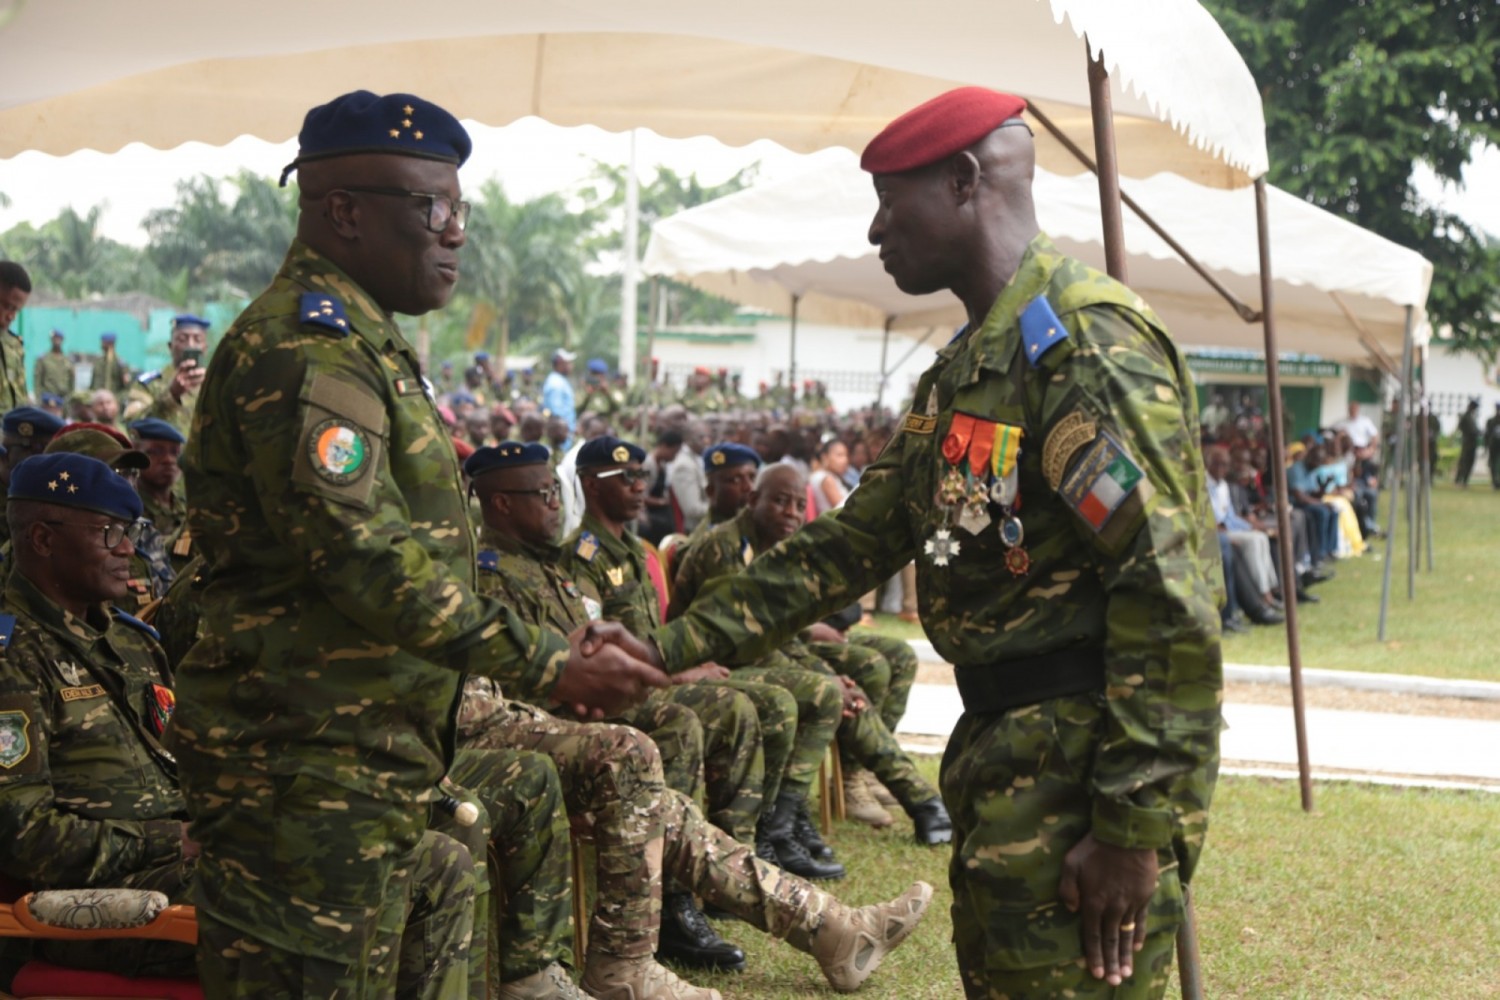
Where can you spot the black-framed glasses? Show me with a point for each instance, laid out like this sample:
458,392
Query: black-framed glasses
631,475
549,494
112,533
441,209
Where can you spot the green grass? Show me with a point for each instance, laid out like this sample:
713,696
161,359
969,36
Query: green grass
1447,631
1382,893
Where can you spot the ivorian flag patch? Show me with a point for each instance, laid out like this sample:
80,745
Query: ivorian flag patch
1102,480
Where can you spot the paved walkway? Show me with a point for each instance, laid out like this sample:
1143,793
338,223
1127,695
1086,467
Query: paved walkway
1407,749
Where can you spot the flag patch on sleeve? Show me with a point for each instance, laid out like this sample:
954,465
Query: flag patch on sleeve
1102,480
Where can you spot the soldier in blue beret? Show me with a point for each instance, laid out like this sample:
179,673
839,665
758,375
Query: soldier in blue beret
729,475
172,392
321,479
165,506
52,374
24,431
109,371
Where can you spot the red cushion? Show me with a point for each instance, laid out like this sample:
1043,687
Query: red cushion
659,581
38,978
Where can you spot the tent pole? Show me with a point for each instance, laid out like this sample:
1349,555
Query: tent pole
792,364
1424,458
1427,472
885,345
1109,169
630,276
1398,459
1412,458
1283,502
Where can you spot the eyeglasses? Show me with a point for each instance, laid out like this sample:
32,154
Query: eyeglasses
549,494
441,209
113,533
631,475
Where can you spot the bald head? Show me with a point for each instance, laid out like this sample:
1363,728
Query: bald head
778,505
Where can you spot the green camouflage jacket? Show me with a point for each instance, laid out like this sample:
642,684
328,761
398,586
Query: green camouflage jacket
1117,549
339,605
53,372
149,395
12,372
87,794
615,570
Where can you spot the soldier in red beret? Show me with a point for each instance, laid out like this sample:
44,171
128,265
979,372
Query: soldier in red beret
1047,481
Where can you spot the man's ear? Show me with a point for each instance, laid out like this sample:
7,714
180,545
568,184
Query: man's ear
40,535
342,213
963,176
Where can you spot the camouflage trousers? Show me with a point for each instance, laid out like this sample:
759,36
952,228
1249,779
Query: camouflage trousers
819,707
734,763
884,669
306,888
776,712
678,736
612,787
522,912
1017,786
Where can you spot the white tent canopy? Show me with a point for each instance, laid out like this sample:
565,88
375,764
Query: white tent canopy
808,74
806,236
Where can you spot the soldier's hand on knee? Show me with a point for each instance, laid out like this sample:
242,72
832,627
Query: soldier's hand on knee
1111,887
855,700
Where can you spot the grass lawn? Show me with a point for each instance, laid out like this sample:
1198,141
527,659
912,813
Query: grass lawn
1447,631
1383,893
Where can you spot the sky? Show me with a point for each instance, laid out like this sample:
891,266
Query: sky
529,158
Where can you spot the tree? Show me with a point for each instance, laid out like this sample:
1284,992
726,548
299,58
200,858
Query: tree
1357,93
223,249
69,256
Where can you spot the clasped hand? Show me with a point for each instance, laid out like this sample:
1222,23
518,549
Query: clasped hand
608,671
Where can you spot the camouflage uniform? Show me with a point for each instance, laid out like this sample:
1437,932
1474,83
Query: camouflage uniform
339,616
149,395
884,668
53,373
88,797
109,373
167,517
864,739
530,581
1121,574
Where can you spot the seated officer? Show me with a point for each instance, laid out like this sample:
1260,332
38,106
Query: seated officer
24,432
89,799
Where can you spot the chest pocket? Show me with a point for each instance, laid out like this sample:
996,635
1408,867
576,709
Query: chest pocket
342,440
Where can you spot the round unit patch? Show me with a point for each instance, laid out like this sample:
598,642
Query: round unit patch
338,450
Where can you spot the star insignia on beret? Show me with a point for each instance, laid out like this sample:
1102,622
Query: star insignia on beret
621,454
52,485
63,477
395,133
408,110
72,488
406,123
417,134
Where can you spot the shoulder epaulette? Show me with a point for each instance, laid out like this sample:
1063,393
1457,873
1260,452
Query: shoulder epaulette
587,547
136,623
1041,330
7,629
489,560
146,378
324,311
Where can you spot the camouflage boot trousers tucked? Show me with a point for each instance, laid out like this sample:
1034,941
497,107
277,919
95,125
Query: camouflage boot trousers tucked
609,977
859,801
850,943
552,983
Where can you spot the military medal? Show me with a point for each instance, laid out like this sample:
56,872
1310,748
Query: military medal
942,546
976,515
951,491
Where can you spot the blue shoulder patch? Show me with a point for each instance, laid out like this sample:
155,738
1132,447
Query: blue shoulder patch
136,623
147,378
7,629
587,547
1041,330
489,560
324,311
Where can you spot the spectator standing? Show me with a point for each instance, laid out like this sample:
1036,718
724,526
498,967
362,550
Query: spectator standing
109,370
15,289
53,373
1468,434
557,390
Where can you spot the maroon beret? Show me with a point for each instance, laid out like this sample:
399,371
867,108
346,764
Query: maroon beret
943,126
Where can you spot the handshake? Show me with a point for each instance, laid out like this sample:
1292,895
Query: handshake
608,671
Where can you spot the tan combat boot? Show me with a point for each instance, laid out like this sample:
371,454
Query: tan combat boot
881,793
859,801
850,943
609,977
552,983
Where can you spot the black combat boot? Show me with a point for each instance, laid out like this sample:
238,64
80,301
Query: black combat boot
931,822
687,939
805,830
790,853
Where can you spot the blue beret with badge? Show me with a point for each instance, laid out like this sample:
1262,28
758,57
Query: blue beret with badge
30,422
188,319
106,337
598,366
74,480
394,124
609,450
152,429
510,455
729,455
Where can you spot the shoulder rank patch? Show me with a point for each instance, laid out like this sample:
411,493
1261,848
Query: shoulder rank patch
147,378
1041,330
747,551
1066,437
587,547
324,311
489,560
135,623
7,629
1102,481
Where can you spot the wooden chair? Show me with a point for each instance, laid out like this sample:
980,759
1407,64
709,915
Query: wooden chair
831,790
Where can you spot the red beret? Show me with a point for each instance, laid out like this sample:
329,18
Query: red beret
947,124
464,448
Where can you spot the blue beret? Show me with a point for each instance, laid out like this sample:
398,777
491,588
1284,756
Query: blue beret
608,450
481,356
454,398
598,366
74,480
152,429
30,421
728,456
106,337
52,398
396,124
188,319
510,455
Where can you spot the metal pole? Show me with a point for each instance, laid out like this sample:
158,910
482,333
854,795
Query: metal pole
1427,474
1411,478
1109,169
792,365
885,344
631,275
1424,456
1283,501
1397,462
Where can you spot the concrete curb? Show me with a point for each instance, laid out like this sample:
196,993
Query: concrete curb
1436,687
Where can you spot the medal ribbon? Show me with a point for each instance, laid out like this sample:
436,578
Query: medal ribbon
981,446
956,443
1007,450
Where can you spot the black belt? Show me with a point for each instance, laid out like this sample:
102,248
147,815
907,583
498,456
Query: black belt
1013,683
